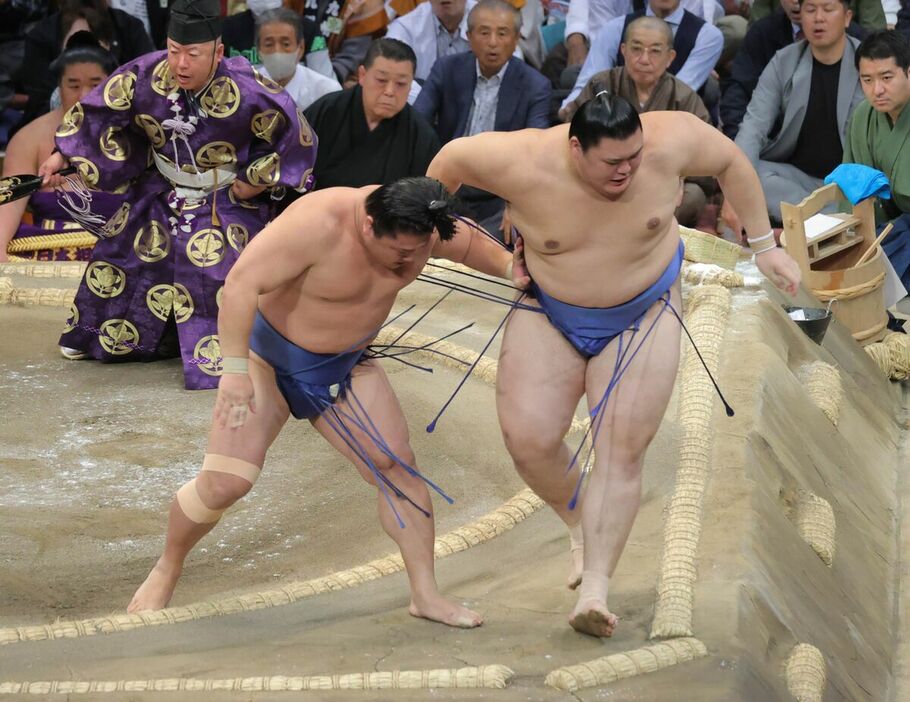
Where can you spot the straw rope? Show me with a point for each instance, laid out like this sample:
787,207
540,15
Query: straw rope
710,274
639,661
51,241
892,355
805,673
823,385
707,310
488,676
32,297
491,525
44,269
851,292
816,525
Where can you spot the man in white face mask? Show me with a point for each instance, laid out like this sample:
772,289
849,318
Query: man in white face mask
239,34
280,45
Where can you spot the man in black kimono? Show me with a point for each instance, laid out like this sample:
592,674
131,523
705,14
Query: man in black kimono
369,134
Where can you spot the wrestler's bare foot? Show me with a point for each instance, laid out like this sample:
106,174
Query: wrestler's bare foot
592,617
438,609
157,589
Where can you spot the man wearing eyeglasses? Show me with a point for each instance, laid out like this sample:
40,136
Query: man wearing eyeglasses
646,83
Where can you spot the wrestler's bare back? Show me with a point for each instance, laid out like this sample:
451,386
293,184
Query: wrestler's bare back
581,246
344,295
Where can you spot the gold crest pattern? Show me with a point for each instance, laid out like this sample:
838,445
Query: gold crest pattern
238,236
87,169
306,134
114,144
265,170
164,298
117,223
206,248
118,337
163,81
72,121
105,279
267,83
72,320
221,98
265,124
118,91
152,129
208,355
216,154
152,242
218,296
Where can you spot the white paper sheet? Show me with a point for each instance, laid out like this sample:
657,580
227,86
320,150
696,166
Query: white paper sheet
818,224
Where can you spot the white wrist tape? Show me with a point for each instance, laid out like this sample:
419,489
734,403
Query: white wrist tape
234,365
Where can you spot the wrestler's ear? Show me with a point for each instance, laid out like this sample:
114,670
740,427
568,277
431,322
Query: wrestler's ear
368,226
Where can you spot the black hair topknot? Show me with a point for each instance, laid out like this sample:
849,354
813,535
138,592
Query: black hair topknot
413,206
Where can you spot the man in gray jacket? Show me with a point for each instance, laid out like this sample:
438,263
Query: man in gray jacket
795,126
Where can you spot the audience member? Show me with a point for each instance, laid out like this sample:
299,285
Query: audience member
152,13
434,29
368,133
643,80
879,134
697,43
279,41
485,89
903,19
869,14
796,122
81,67
45,40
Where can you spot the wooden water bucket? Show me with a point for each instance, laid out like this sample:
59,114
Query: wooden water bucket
828,262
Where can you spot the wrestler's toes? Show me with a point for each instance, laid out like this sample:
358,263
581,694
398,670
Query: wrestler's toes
594,621
446,612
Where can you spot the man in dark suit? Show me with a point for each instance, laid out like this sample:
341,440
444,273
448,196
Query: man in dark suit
486,88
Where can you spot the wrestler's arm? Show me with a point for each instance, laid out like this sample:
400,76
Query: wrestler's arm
476,250
21,156
702,150
481,161
281,252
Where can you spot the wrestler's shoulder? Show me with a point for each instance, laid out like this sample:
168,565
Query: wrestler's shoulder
321,212
666,124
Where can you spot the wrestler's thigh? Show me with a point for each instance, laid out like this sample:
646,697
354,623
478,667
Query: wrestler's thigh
370,402
638,402
539,381
250,441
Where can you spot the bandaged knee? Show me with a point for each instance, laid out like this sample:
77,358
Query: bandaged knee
190,500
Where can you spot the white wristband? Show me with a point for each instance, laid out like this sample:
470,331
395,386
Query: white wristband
234,365
769,235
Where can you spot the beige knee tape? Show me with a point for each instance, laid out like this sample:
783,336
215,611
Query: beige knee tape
233,466
193,506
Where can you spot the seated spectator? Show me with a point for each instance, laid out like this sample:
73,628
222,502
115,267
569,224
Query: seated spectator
434,29
869,14
45,40
79,69
796,123
698,45
279,40
644,81
765,38
879,134
485,89
368,133
903,19
152,13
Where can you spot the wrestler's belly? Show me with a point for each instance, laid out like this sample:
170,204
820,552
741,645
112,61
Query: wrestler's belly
602,275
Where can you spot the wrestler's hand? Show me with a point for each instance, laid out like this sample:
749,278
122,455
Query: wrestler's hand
245,191
235,398
780,269
48,170
519,270
505,226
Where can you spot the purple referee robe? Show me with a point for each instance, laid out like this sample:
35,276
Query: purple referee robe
164,256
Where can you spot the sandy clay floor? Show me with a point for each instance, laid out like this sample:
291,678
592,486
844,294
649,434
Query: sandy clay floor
90,456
